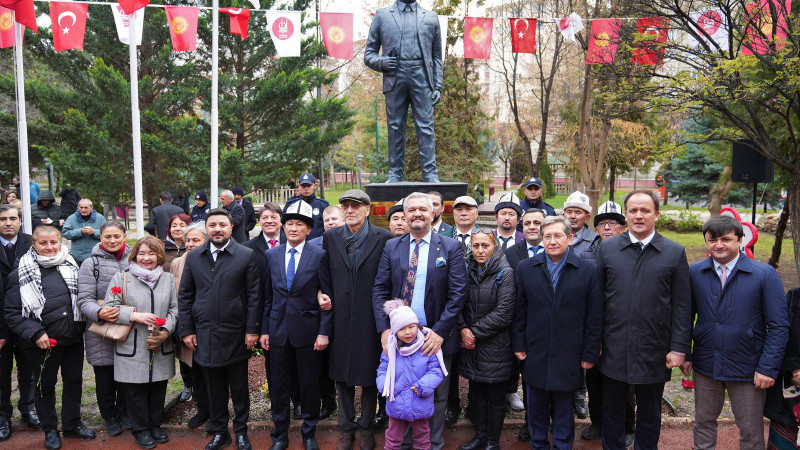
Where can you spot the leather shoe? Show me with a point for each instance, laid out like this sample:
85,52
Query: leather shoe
81,432
580,409
5,430
279,445
145,439
242,442
591,433
219,441
113,428
345,441
52,440
366,440
451,415
186,394
197,420
381,419
32,420
159,435
310,443
524,434
126,423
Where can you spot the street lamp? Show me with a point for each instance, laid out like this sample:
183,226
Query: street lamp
360,158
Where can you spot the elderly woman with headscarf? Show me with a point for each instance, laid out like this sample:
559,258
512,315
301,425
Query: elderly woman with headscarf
41,308
174,245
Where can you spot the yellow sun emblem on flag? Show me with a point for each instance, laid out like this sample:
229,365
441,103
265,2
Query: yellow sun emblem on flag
765,20
6,21
602,40
336,34
179,25
477,34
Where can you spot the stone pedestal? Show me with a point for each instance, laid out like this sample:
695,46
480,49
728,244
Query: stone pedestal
393,192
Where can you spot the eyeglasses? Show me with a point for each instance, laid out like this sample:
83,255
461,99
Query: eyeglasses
482,230
608,224
556,237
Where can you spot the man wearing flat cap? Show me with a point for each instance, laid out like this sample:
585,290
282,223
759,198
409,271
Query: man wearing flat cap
307,187
352,256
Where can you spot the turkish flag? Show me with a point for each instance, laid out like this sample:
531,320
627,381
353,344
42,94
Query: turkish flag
7,36
478,37
523,35
649,44
182,27
240,20
131,6
337,34
603,41
758,31
24,13
69,24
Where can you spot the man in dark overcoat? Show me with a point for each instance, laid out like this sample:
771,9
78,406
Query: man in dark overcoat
646,321
353,252
220,312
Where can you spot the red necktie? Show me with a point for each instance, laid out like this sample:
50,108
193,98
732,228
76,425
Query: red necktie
272,243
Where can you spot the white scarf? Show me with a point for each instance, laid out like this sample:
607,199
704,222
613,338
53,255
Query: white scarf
391,346
30,281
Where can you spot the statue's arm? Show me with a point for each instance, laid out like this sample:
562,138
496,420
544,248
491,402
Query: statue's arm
436,54
372,57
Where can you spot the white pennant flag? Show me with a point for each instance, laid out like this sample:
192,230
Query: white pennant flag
122,22
443,28
715,25
570,25
284,27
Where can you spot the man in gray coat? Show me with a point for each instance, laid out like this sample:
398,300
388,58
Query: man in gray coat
646,321
412,74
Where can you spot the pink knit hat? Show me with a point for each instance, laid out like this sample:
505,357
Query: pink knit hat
400,315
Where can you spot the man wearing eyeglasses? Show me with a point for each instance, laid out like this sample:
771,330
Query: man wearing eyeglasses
533,198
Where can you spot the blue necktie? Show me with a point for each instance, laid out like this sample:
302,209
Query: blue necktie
531,252
290,270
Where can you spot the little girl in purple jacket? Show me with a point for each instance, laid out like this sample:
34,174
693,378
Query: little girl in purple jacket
408,378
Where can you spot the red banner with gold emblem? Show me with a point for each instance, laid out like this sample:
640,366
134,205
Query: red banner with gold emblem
182,22
478,37
24,13
603,41
760,25
7,37
337,34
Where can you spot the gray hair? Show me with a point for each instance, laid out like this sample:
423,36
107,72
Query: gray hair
414,195
549,220
227,193
86,200
197,226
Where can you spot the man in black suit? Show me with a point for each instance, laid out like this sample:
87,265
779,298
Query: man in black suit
15,244
438,224
220,319
250,218
353,253
295,328
160,215
239,233
269,219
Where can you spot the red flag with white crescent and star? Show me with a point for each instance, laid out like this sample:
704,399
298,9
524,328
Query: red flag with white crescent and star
7,36
649,45
24,13
337,34
182,22
478,37
240,20
69,24
523,35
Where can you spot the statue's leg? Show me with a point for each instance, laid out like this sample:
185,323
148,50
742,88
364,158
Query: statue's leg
396,114
422,107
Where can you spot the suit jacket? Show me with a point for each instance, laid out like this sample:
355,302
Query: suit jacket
443,227
23,244
250,218
355,347
385,32
219,302
517,253
518,237
259,246
445,286
293,316
159,219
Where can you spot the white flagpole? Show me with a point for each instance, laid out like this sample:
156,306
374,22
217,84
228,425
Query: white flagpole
135,131
214,103
22,134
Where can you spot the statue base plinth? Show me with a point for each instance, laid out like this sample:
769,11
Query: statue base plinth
394,192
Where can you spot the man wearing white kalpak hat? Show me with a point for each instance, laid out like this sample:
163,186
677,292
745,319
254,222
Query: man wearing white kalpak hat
295,328
507,213
578,211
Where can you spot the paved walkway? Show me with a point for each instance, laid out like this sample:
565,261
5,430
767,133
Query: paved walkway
673,437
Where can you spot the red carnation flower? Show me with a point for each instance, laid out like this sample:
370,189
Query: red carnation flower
53,342
161,322
687,384
116,290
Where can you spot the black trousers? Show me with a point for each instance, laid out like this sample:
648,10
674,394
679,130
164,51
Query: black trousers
186,375
306,362
484,396
11,351
68,358
200,393
219,380
453,399
327,387
648,414
110,394
147,404
295,389
594,386
347,410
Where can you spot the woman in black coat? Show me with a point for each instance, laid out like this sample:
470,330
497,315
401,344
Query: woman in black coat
783,398
486,360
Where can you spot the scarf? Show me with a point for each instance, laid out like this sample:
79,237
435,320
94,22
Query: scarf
388,384
30,281
117,254
353,244
90,218
148,277
555,268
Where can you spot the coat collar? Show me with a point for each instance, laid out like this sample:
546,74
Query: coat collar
540,259
657,243
745,264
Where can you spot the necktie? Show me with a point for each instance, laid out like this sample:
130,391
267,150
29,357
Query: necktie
463,239
272,243
504,241
290,270
411,277
9,246
641,246
531,252
723,274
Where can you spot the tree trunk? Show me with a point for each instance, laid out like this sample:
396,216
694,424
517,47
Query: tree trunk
793,200
719,192
612,181
780,229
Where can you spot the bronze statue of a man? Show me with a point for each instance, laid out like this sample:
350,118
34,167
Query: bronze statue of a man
412,73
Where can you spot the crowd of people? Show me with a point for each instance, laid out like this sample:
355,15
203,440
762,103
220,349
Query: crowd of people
337,303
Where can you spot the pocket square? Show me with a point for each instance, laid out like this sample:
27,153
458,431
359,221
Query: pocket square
441,262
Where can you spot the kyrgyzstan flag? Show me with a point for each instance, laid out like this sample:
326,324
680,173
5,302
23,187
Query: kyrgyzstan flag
24,13
337,34
69,24
652,36
478,37
523,35
758,33
7,36
240,20
603,41
182,27
131,6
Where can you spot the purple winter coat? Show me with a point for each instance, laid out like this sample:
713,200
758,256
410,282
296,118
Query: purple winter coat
417,370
